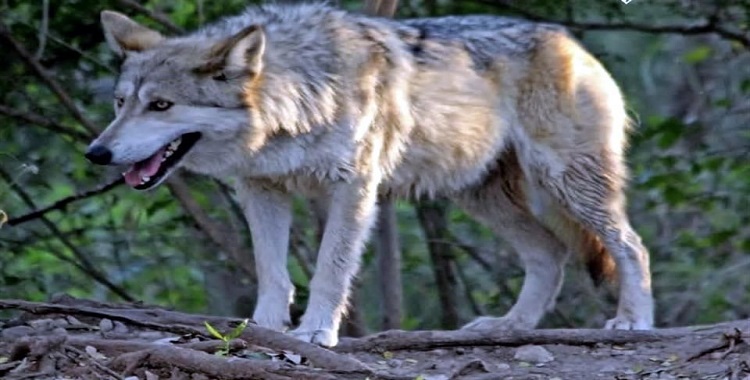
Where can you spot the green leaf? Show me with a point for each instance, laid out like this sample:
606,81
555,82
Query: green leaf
670,131
697,55
745,86
213,331
237,330
673,195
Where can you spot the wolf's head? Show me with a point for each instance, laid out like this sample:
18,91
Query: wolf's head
178,101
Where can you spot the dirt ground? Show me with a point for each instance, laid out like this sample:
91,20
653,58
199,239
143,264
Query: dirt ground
70,338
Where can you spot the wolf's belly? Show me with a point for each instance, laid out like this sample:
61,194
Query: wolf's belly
443,162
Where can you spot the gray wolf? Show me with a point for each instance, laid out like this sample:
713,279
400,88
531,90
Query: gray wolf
513,121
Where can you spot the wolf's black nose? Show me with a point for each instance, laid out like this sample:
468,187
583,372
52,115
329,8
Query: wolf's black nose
99,155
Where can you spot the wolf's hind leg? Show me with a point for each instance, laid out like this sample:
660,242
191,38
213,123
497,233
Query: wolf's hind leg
268,213
500,204
590,187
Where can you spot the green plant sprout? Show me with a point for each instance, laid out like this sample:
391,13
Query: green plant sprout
224,351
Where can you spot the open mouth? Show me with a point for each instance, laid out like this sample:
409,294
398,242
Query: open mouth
150,172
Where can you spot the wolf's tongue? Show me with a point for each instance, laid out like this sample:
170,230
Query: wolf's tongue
145,168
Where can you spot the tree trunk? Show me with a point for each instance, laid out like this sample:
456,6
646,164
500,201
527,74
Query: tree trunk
435,226
389,265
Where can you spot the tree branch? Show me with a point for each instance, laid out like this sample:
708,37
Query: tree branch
42,122
84,264
64,202
156,16
181,323
427,340
223,236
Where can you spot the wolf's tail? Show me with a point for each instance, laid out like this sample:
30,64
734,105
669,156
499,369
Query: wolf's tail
597,258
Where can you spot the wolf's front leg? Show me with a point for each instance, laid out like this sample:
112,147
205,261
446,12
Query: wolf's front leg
350,217
268,213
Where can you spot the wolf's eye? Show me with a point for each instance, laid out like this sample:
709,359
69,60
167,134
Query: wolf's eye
160,105
221,77
119,102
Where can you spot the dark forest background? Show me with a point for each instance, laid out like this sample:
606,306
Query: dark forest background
684,66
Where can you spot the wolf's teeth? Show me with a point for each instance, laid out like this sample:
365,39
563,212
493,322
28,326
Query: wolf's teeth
174,144
145,179
168,153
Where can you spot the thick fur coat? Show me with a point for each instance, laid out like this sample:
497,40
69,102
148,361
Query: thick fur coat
512,120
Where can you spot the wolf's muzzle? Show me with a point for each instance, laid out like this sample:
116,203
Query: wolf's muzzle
99,155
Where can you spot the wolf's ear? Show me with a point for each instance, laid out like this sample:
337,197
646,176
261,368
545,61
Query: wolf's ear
242,52
124,35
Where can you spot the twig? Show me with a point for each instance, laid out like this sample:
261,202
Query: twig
85,264
728,341
475,307
67,45
42,122
84,358
64,202
43,29
156,16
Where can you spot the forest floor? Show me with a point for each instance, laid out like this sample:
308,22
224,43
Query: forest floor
70,338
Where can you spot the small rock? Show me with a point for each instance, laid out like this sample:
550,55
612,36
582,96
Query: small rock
503,366
16,332
106,325
61,322
60,331
150,376
394,363
435,377
533,354
92,351
121,328
460,351
131,378
42,325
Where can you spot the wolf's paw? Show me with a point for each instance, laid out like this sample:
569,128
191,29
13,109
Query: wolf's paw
628,323
273,321
321,337
497,323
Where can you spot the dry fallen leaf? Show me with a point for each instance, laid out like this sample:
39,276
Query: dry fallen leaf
292,357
